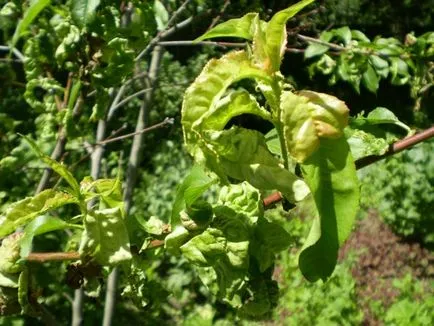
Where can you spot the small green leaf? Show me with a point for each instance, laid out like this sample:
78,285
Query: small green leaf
370,79
378,116
380,65
161,15
193,186
275,33
343,34
41,225
331,176
29,16
238,27
83,11
27,209
359,36
57,167
315,49
273,142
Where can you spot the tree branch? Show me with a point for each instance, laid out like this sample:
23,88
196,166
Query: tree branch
169,30
394,148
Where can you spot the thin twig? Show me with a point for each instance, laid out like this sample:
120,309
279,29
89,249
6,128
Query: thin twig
129,98
165,122
193,43
394,148
42,257
217,18
163,33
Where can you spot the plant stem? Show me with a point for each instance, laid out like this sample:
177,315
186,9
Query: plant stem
133,164
77,306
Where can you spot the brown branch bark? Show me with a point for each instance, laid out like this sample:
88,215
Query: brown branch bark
394,148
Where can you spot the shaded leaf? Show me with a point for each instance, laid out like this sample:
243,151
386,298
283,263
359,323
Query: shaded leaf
370,79
57,167
83,11
193,186
40,225
331,176
161,15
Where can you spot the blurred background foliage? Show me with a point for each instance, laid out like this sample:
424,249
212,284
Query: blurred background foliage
164,290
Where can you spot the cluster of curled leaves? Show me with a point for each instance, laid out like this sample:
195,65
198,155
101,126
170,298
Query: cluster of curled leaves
95,42
101,227
361,61
231,242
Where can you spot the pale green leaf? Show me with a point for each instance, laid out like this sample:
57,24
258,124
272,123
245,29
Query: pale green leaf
161,15
276,33
27,209
83,11
273,142
9,280
315,49
343,34
40,225
56,166
29,16
105,237
238,27
331,176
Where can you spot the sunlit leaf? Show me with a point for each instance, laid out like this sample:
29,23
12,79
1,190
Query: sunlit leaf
238,27
105,237
276,33
29,16
29,208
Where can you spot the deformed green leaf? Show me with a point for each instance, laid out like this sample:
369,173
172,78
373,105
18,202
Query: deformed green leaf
209,87
242,154
308,117
42,224
27,209
83,11
331,175
370,79
238,27
10,254
56,166
105,237
275,33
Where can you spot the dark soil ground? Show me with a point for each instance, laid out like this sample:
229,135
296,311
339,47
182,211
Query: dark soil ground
383,256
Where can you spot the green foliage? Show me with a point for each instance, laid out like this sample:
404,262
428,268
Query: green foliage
413,306
309,126
399,189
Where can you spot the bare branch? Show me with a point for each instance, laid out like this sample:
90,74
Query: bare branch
166,121
42,257
217,18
